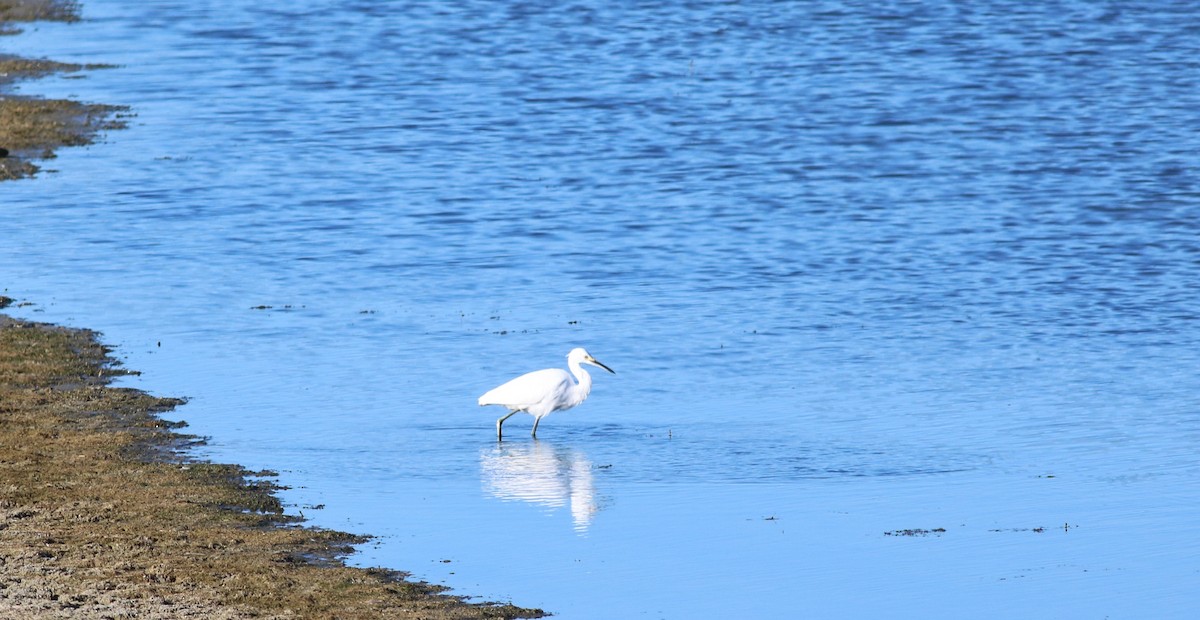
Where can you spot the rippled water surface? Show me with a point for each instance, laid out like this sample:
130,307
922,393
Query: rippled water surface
902,297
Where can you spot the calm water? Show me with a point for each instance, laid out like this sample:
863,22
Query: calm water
859,269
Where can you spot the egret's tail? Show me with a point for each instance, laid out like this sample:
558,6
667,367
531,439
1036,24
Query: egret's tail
488,398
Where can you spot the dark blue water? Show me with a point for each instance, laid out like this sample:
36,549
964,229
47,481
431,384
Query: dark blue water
860,269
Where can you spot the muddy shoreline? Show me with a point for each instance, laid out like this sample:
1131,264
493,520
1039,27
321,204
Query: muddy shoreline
104,515
103,512
32,128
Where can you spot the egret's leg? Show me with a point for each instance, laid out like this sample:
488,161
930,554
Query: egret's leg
535,423
500,423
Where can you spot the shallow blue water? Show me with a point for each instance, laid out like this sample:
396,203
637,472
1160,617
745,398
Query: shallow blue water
859,269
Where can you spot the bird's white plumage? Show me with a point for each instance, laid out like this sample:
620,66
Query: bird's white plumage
537,392
541,392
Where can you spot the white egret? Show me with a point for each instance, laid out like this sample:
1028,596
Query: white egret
543,392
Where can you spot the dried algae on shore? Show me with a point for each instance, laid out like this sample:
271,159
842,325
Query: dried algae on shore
102,517
31,128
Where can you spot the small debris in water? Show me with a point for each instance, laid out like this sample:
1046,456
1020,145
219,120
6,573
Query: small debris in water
916,532
1066,527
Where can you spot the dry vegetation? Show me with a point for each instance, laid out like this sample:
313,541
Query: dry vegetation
31,10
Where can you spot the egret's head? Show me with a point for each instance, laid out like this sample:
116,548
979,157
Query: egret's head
580,355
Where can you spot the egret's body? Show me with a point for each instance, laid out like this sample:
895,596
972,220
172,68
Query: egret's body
543,392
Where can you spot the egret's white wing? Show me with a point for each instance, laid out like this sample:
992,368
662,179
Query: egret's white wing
530,389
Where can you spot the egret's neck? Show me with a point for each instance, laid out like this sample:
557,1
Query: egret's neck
584,387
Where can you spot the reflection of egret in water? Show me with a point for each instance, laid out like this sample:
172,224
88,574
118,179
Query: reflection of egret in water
541,474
